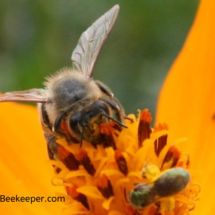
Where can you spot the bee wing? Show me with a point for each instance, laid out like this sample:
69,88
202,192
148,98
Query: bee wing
91,41
32,95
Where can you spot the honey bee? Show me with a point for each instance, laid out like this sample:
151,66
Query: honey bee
169,183
73,105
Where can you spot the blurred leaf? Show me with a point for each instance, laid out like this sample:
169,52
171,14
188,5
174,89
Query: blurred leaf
37,38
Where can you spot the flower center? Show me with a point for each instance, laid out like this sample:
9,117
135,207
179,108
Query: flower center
136,171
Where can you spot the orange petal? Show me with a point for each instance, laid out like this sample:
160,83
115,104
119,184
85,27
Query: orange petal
23,162
187,101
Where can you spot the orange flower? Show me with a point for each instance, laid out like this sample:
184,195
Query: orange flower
187,101
25,171
110,178
97,180
103,181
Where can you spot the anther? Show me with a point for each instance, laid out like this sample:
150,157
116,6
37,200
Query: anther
172,156
71,191
84,159
161,141
107,131
121,162
144,129
68,158
105,187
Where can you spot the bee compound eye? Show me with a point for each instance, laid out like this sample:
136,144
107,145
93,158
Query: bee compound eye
74,120
101,106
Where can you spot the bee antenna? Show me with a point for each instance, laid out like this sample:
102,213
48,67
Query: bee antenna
118,122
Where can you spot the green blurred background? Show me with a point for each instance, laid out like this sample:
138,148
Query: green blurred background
37,38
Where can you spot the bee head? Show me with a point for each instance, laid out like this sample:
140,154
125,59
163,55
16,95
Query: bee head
86,122
86,116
